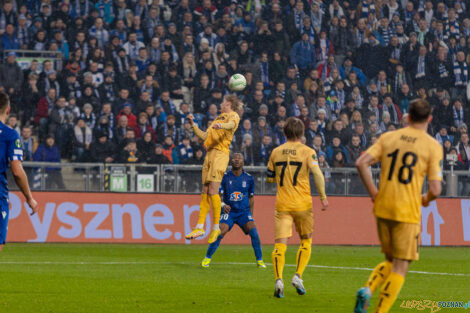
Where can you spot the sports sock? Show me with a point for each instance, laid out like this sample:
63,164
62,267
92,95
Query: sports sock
303,255
379,275
256,244
389,292
279,259
213,247
216,227
204,208
216,207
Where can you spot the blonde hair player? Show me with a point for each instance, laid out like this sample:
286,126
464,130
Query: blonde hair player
289,166
406,157
217,139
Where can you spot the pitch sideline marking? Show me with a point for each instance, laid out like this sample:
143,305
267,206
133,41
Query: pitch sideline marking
221,263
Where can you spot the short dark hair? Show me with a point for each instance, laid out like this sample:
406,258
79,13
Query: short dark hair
294,128
419,110
4,102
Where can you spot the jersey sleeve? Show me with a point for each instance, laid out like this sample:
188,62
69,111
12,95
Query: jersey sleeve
270,173
376,149
235,118
435,163
14,148
312,159
251,191
319,179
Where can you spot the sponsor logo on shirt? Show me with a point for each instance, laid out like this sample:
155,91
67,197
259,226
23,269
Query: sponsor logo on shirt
236,196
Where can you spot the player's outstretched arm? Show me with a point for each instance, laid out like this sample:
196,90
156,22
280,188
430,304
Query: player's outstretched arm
22,182
201,134
434,190
363,167
227,126
320,184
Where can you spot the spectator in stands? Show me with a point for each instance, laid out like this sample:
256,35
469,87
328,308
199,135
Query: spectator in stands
28,143
61,124
130,154
146,146
247,150
302,55
44,107
48,152
143,126
261,155
82,140
354,150
158,157
102,150
170,150
11,76
333,148
12,122
197,159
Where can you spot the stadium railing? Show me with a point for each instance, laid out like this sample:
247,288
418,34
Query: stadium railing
149,178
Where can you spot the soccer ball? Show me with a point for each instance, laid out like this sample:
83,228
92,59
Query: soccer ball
237,82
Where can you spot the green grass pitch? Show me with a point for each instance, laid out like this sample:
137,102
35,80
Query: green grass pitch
168,278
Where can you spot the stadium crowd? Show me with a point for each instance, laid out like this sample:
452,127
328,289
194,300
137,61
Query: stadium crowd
132,70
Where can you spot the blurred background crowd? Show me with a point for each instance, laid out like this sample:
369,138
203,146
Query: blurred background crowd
131,70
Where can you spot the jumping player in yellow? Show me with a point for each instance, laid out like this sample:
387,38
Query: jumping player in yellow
406,157
289,166
217,139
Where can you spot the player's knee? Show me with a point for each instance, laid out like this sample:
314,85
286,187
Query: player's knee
249,227
306,244
223,229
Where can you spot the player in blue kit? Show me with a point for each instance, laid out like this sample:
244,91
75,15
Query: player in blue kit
237,190
11,154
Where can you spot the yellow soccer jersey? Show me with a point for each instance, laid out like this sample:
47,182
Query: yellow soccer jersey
406,156
220,139
290,165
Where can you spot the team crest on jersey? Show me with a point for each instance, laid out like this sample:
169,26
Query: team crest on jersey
236,196
244,184
18,143
314,157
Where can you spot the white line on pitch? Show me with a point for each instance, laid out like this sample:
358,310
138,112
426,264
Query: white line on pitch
217,263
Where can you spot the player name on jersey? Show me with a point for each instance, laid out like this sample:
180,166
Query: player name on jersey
289,151
408,139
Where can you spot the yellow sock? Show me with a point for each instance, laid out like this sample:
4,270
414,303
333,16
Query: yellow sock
379,275
389,292
204,208
279,259
216,207
303,255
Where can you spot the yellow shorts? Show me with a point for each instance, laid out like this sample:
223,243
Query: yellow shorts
283,221
214,167
399,240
